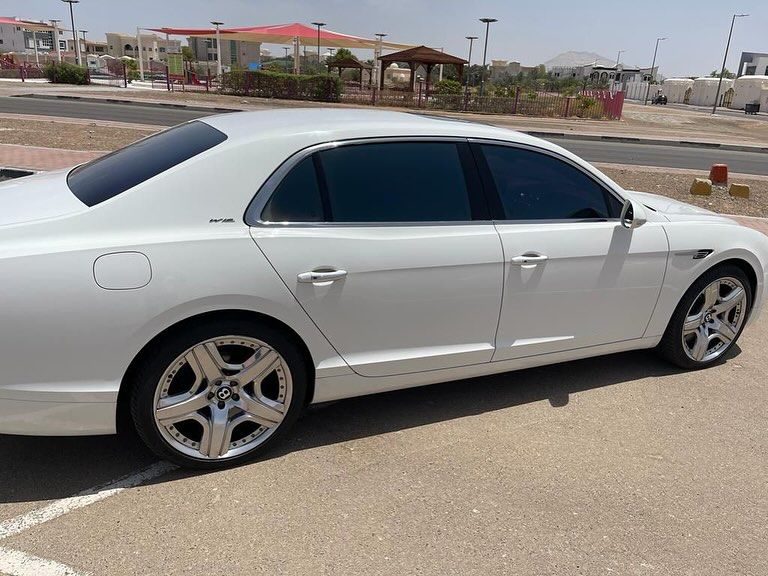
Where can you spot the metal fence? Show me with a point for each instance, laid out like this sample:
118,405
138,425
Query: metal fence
592,104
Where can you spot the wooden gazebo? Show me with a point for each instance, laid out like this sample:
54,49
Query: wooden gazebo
421,56
344,63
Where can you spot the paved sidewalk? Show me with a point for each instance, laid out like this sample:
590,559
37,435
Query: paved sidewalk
34,158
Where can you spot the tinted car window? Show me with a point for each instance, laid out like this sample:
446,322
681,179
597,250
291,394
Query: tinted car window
110,175
395,182
297,198
535,186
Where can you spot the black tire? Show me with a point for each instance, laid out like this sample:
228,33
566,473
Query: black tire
671,345
147,378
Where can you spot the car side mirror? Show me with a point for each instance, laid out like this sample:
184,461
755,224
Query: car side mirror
632,215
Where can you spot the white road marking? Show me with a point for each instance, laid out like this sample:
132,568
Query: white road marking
17,563
87,497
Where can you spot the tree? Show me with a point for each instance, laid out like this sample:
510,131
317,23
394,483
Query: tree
728,74
341,54
187,54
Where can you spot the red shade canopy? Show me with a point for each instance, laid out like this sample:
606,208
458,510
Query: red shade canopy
284,34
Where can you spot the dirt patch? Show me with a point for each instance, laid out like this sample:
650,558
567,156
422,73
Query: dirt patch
67,135
677,183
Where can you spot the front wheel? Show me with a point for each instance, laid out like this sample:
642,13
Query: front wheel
709,318
219,393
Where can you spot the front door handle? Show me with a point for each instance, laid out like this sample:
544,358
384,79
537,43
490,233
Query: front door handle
319,276
529,260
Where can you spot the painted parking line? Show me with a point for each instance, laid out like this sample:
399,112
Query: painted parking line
17,563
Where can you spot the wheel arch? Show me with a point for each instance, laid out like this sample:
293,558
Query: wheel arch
123,419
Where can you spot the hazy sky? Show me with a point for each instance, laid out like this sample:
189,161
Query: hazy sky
529,31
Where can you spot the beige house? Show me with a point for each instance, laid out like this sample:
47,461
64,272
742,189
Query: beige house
153,47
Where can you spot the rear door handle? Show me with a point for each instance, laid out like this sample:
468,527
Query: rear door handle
321,276
529,260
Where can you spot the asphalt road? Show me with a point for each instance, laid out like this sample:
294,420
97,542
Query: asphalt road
614,465
594,151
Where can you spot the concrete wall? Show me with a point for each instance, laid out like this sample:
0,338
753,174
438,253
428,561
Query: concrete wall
705,90
637,90
748,89
675,89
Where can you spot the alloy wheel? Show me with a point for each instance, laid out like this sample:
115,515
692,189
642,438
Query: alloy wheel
714,319
222,397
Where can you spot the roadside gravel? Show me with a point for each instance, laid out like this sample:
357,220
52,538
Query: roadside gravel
67,135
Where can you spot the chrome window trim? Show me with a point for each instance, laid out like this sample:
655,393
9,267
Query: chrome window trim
591,175
253,212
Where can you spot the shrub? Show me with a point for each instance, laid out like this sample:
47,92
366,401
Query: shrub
265,84
65,73
448,87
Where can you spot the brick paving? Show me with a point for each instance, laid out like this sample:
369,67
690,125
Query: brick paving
35,158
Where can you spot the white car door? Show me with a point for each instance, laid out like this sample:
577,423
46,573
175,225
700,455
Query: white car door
574,276
388,247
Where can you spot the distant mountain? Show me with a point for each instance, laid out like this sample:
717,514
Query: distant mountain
573,59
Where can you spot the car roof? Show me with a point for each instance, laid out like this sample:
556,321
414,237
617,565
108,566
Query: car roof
329,124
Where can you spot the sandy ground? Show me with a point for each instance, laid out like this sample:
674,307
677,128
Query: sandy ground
67,134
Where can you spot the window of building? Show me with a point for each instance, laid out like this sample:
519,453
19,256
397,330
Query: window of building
110,175
162,49
537,186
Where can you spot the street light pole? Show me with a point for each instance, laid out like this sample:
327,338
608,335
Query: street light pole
376,55
469,61
319,25
722,70
218,47
487,22
55,24
653,66
74,30
618,57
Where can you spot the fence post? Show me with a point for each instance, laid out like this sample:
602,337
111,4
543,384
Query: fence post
373,96
517,99
21,73
125,75
567,106
167,77
418,105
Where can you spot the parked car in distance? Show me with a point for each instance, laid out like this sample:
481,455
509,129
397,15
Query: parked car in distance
660,99
209,282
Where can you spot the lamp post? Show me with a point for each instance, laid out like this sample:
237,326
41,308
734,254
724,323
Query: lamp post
653,66
218,47
376,55
55,24
319,25
469,61
487,22
722,71
74,30
618,57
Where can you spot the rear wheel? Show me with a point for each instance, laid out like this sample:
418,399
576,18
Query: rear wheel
218,394
709,318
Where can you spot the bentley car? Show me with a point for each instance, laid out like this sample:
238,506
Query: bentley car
207,283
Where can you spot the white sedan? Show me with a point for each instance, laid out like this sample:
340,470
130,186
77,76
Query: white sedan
209,282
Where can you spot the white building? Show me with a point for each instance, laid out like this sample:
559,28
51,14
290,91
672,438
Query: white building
748,89
678,90
705,91
753,64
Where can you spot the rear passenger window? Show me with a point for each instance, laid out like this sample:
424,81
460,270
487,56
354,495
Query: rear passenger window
396,182
297,198
536,186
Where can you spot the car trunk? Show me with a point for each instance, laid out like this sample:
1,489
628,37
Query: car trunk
37,197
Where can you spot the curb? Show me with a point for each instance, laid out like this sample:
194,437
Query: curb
535,133
127,102
648,141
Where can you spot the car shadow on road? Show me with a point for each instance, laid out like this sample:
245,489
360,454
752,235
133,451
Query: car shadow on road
40,468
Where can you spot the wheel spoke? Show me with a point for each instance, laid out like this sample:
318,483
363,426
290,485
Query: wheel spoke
701,344
215,433
731,301
711,295
259,368
207,357
725,332
263,410
180,407
692,323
